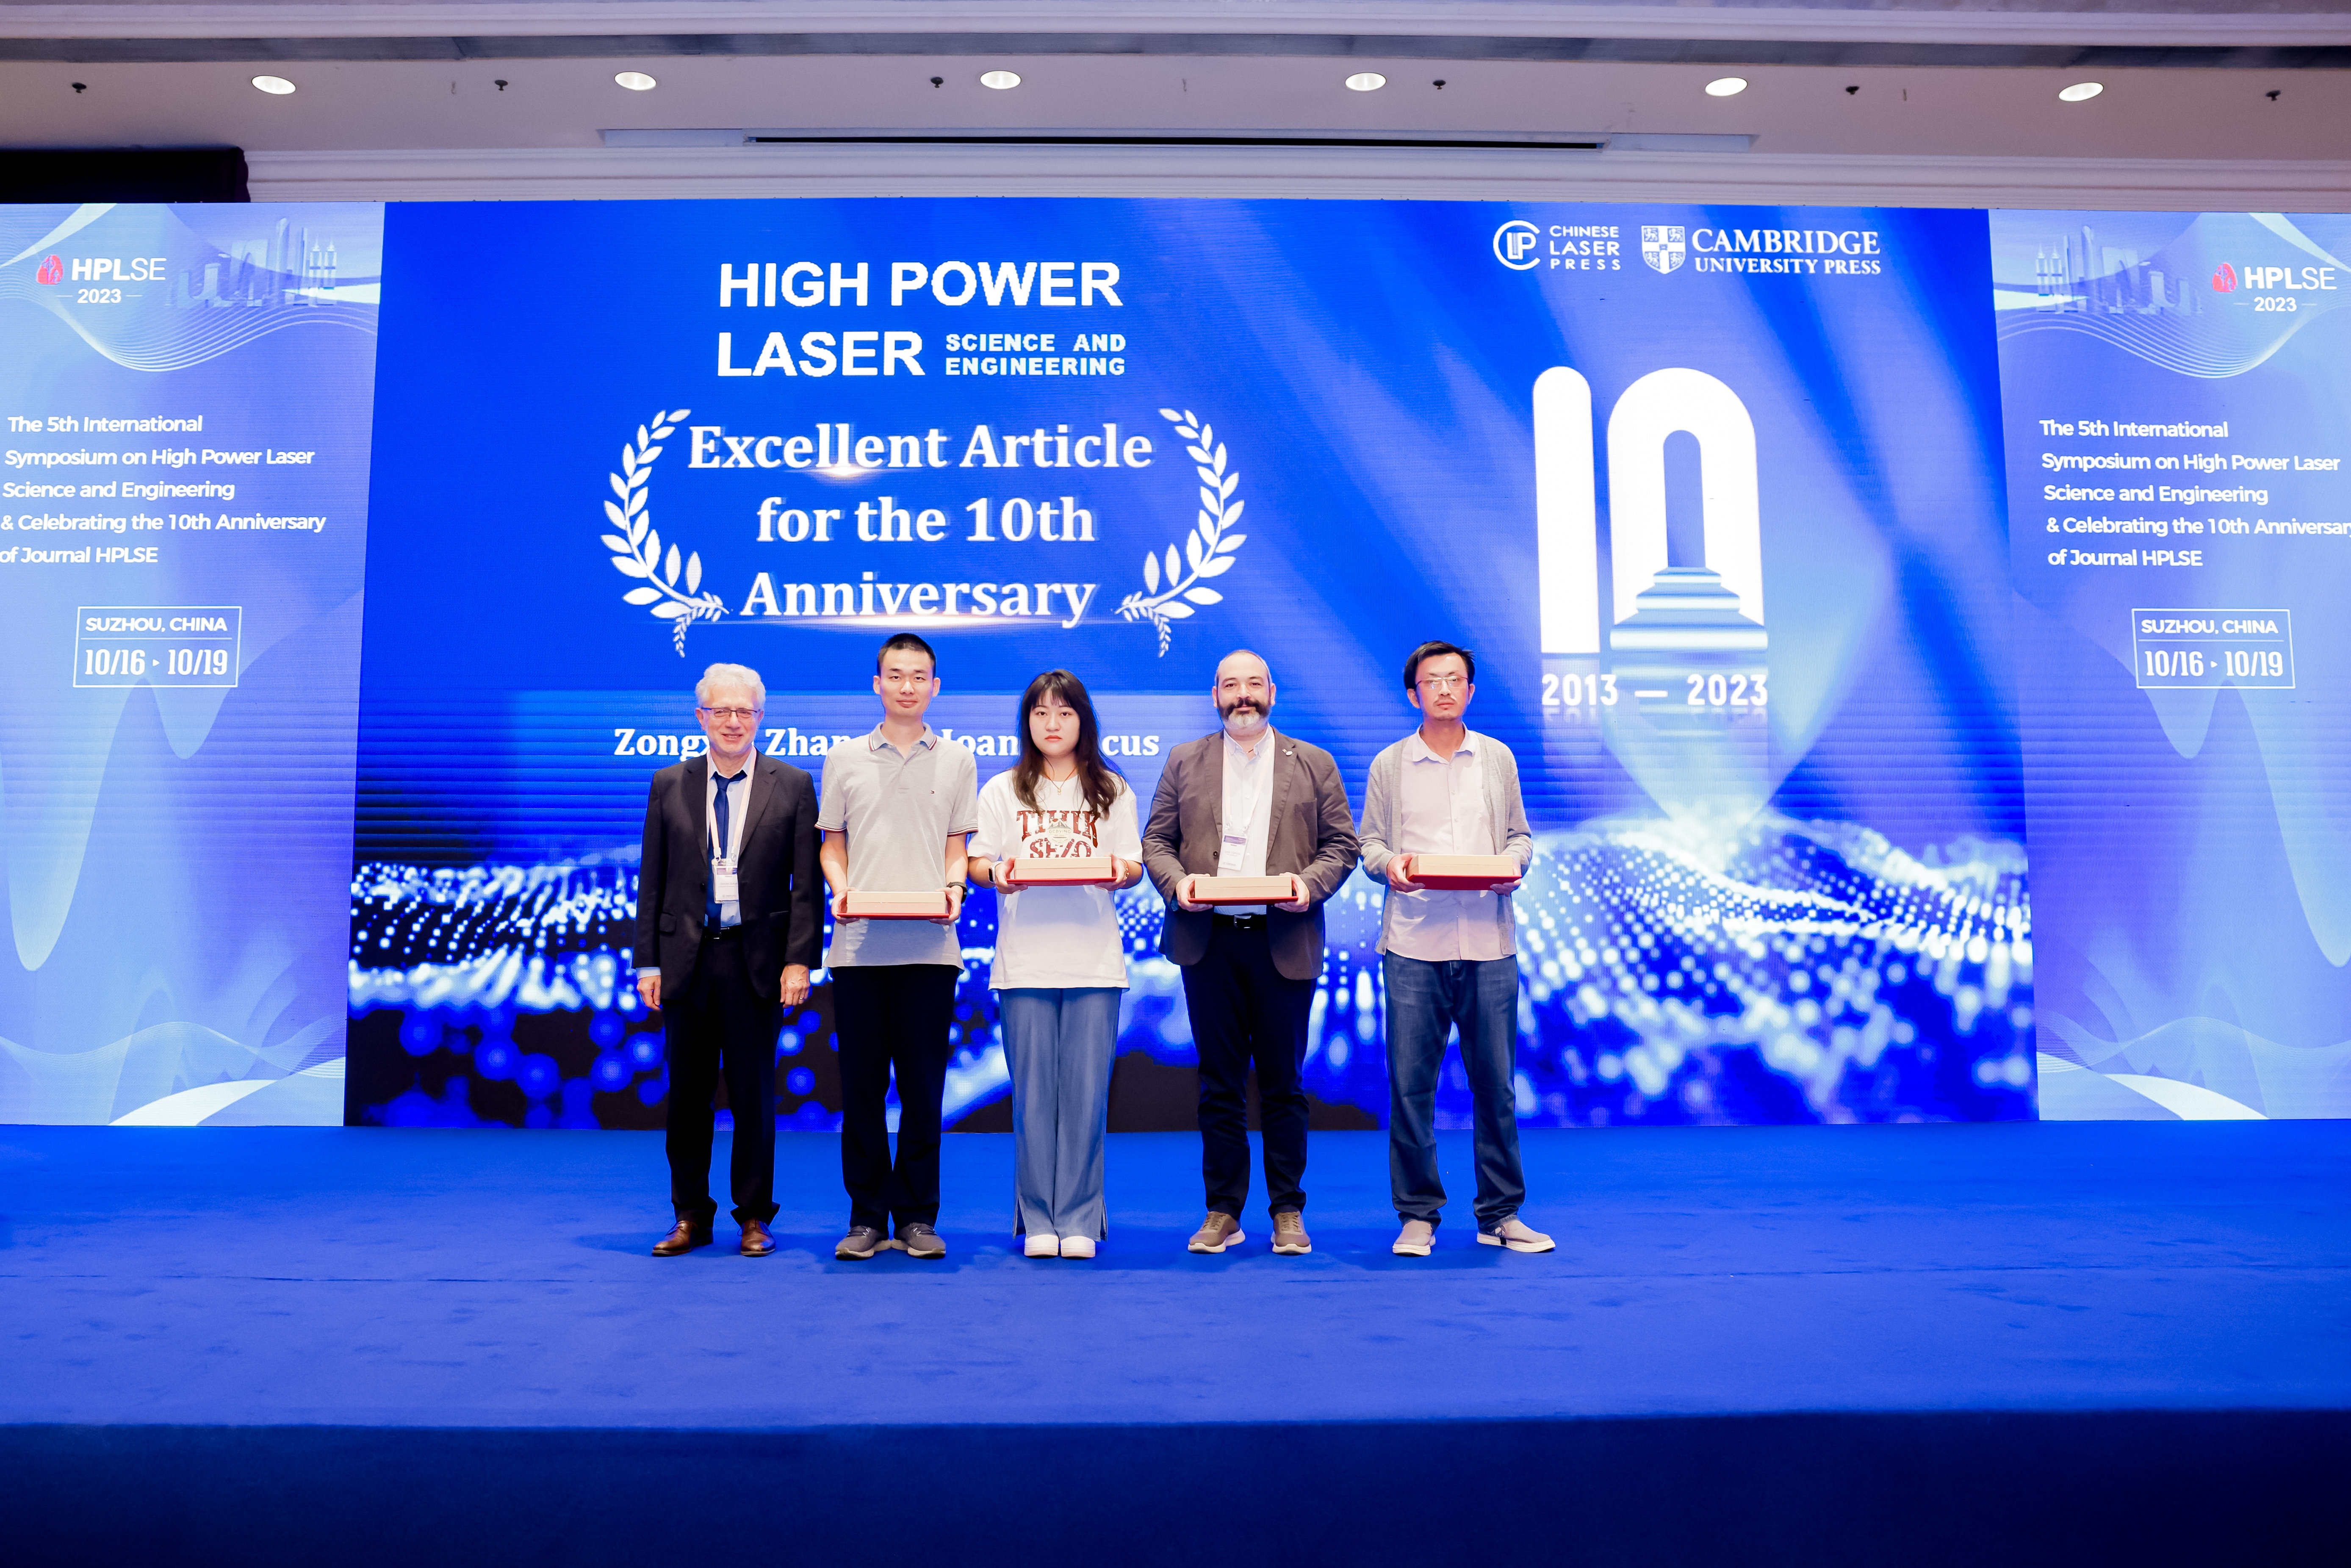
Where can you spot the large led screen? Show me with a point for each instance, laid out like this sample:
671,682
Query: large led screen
1715,495
2176,387
183,531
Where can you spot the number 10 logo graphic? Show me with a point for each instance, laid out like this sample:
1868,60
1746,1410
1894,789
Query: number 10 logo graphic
1714,608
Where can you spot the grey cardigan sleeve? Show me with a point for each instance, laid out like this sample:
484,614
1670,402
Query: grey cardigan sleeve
1518,842
1378,824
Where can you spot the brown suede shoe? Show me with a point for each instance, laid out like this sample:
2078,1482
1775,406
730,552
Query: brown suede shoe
1216,1232
1290,1233
684,1238
757,1242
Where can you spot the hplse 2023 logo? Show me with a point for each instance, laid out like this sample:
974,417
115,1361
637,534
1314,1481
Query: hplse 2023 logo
52,271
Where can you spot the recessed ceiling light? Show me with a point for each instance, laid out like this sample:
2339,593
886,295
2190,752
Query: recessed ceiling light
1726,86
278,85
1367,81
1002,81
636,82
2081,92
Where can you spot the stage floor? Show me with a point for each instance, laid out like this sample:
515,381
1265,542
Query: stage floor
209,1279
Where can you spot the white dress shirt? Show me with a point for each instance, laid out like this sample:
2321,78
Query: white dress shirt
1441,810
1248,815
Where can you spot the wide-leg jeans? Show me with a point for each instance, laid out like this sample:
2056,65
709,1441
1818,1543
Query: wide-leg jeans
1059,1044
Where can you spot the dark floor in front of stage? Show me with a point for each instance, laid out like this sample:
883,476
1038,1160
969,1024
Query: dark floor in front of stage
500,1279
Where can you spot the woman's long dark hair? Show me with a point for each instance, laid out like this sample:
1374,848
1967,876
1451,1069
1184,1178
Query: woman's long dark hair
1100,779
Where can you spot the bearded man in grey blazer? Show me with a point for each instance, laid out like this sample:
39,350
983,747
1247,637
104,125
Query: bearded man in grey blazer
1449,957
1249,801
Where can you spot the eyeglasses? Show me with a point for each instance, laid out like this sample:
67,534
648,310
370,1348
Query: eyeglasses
1443,683
722,714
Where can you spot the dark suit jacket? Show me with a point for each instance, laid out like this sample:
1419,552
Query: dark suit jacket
779,879
1312,834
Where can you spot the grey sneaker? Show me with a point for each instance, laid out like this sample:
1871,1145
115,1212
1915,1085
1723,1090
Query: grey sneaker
1415,1239
920,1240
861,1242
1290,1233
1514,1234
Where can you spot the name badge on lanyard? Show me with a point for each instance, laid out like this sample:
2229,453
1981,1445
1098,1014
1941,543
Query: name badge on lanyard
724,887
1234,855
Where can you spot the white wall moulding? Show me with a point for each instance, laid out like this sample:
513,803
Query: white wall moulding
1349,173
1565,142
2152,24
2211,55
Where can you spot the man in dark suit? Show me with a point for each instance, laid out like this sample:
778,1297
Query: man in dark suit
729,922
1249,801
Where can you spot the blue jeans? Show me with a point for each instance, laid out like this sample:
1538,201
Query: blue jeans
1425,1001
1058,1044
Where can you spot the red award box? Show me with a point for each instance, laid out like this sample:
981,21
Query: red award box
1480,871
1078,871
929,905
1241,889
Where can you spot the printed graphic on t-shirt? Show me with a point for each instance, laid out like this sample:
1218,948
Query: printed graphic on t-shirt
1057,835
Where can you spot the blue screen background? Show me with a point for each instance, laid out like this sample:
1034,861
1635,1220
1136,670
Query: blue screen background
1816,910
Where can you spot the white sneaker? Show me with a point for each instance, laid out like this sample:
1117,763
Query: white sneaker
1415,1239
1515,1234
1039,1246
1077,1246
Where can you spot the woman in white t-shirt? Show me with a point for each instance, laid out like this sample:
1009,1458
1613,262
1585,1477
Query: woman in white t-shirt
1059,964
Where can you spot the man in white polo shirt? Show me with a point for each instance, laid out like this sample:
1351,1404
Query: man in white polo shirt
897,806
1449,958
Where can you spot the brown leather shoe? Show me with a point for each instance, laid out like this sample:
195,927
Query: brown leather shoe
757,1242
1290,1233
685,1238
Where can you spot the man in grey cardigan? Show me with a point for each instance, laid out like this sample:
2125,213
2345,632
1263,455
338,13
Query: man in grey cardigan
1449,957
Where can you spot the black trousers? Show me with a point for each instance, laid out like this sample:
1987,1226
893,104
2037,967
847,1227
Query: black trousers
1244,1010
887,1016
722,1025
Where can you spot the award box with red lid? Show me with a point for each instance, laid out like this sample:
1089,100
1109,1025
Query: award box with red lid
929,905
1076,871
1463,872
1240,890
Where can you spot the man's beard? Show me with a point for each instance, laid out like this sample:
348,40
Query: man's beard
1246,710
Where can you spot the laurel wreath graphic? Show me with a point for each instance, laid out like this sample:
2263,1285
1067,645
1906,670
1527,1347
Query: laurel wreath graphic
1207,548
637,548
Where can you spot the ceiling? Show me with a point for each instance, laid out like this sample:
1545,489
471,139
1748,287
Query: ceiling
2183,84
2226,114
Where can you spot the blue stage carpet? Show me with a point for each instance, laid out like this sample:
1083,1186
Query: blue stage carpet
2013,1343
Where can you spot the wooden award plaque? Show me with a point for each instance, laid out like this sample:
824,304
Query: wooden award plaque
926,905
1078,871
1240,890
1463,872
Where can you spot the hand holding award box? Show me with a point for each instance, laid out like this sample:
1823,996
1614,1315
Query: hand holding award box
1479,872
1076,871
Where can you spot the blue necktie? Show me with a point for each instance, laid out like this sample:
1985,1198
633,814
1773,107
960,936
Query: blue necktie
718,851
